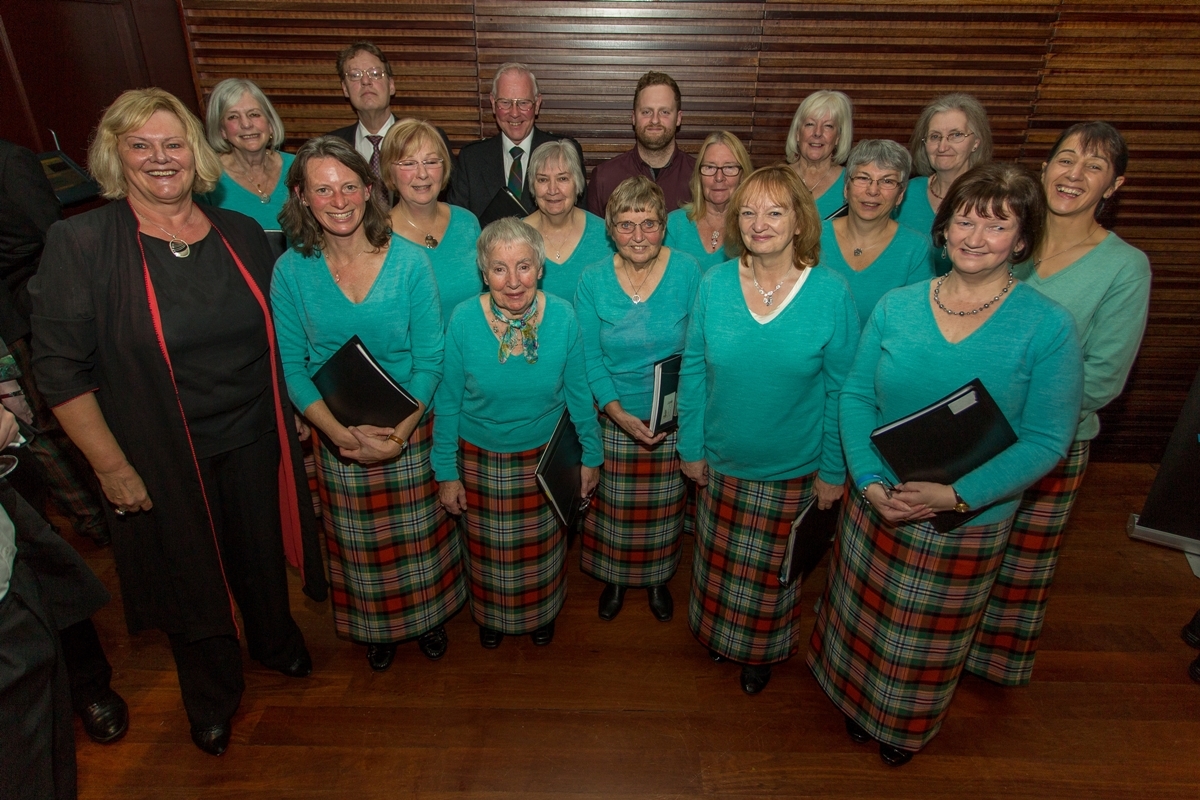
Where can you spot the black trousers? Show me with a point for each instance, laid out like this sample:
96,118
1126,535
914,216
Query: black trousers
243,495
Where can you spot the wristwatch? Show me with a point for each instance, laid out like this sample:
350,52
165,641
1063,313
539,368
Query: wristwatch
960,505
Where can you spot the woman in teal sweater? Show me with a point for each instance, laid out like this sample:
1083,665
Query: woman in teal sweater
393,557
633,312
514,361
698,228
769,343
1105,284
416,170
246,131
874,253
903,600
818,143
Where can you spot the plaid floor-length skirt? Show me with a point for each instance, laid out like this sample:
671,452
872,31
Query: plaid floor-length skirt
394,560
737,606
516,552
897,618
1007,639
631,534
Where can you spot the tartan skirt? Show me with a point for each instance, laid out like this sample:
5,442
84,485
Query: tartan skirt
631,535
897,618
1006,642
394,561
737,606
516,552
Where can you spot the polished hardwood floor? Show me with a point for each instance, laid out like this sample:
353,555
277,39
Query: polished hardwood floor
633,708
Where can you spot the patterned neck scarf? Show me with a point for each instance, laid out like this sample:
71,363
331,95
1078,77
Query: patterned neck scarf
518,331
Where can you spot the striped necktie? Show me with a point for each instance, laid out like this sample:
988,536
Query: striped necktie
516,180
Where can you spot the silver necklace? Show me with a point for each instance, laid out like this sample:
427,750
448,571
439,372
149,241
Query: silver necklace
430,240
178,247
637,290
769,297
938,287
1091,233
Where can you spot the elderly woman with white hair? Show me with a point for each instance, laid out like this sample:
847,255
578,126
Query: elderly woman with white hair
817,145
574,238
246,132
513,362
873,252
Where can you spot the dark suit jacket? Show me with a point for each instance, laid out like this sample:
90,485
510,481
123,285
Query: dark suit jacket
349,131
28,207
480,174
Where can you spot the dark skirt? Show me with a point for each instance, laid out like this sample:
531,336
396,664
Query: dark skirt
1007,639
516,552
738,607
394,559
631,535
897,618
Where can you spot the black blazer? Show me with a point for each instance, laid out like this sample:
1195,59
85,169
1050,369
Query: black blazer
480,176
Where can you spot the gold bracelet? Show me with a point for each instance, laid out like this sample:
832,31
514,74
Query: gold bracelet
403,444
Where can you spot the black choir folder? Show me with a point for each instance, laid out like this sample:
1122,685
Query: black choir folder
359,391
664,412
946,440
558,471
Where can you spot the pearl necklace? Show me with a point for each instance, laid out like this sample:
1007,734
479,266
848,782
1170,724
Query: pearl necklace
938,287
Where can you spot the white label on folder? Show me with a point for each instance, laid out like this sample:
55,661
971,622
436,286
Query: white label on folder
668,409
963,403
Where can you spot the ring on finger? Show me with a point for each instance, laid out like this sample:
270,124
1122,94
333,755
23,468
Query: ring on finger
120,512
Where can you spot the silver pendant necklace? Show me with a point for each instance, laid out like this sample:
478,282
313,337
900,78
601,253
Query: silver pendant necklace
768,297
178,247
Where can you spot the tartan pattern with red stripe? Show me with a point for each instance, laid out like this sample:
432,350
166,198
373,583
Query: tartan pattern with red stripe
631,535
737,606
394,563
1006,642
516,553
897,618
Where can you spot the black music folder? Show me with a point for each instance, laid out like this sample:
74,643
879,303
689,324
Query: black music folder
504,204
664,412
946,440
359,391
558,471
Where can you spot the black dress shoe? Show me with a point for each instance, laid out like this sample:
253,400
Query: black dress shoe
212,740
611,600
380,656
434,643
489,638
894,756
857,732
1194,670
543,635
716,657
1191,632
301,666
755,677
105,719
661,604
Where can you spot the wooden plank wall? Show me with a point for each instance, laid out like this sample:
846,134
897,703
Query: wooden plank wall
1037,65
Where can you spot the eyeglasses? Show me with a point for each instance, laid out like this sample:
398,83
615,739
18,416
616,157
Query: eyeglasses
412,164
374,73
953,137
729,170
504,104
886,184
647,225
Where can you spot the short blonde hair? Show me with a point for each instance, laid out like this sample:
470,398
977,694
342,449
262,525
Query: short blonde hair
638,193
131,111
782,184
404,137
225,94
824,102
697,208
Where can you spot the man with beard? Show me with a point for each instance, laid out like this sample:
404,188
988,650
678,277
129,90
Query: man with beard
656,117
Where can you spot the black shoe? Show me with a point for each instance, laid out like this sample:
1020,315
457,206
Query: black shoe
857,732
894,756
1194,670
301,666
489,638
716,657
434,643
212,740
1191,632
611,600
755,678
661,604
380,656
543,635
106,719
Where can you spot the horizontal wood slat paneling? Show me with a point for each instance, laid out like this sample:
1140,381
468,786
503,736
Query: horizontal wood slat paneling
1037,65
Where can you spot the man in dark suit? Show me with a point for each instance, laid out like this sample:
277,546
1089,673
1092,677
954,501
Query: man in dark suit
492,178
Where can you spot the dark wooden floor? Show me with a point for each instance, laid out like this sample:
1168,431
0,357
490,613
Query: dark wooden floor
633,708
